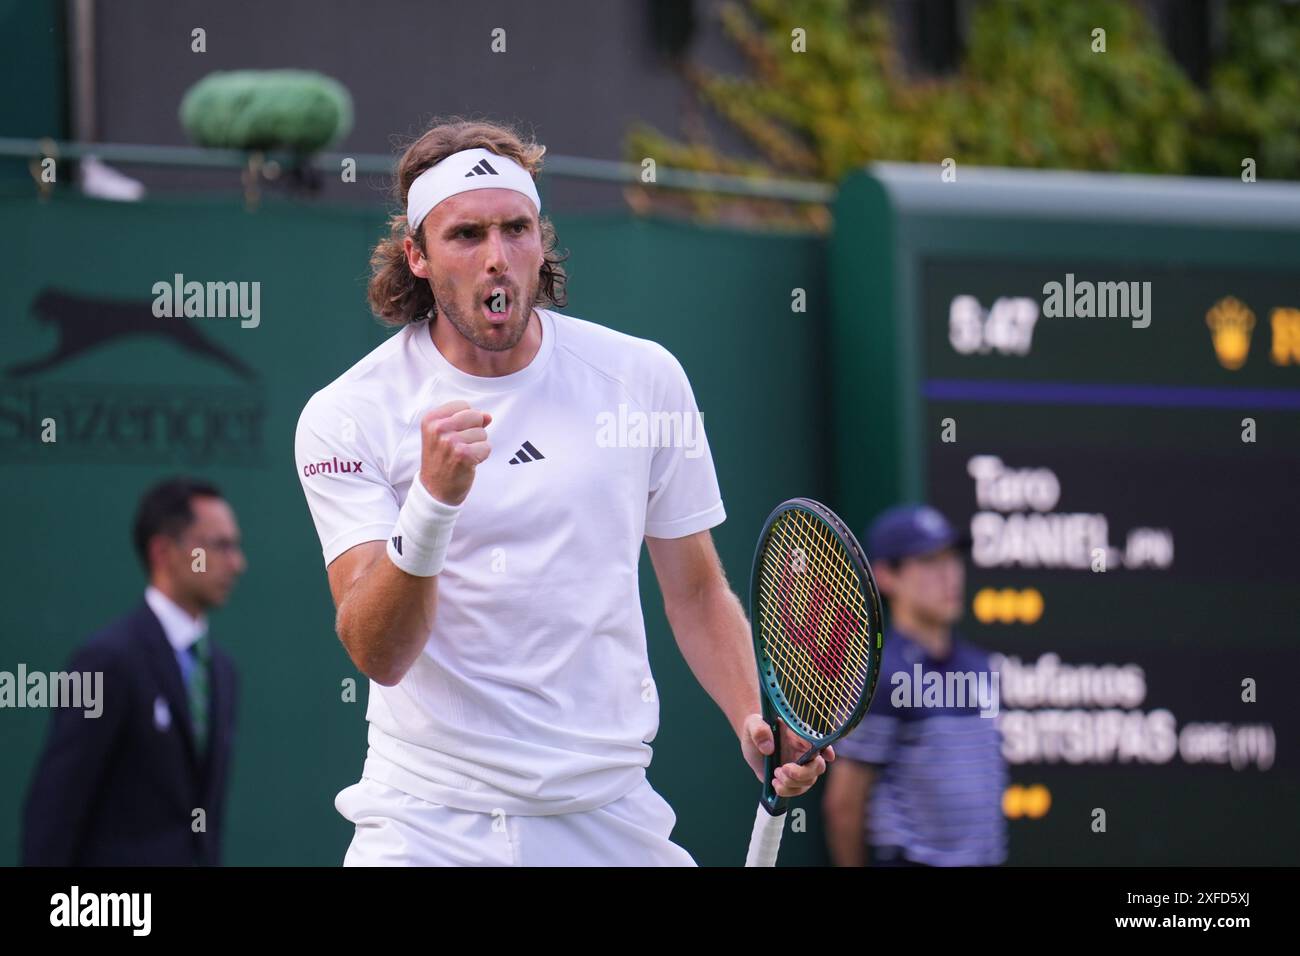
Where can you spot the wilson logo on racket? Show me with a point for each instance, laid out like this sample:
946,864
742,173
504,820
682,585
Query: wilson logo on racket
821,631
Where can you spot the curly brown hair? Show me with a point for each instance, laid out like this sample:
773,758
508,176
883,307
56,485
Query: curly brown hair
398,296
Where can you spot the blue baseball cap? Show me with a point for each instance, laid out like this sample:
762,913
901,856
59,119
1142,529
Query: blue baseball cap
907,530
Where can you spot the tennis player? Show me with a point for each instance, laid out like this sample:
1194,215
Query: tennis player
489,590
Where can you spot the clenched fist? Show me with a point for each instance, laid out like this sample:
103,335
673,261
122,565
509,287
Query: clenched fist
453,443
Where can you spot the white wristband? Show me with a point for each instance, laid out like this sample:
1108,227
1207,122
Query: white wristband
418,544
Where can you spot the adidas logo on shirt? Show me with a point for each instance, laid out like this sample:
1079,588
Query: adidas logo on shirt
526,453
397,543
482,168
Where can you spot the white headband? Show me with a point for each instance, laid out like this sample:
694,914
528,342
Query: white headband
459,173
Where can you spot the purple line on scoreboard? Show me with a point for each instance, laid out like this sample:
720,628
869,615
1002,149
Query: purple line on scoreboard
1072,393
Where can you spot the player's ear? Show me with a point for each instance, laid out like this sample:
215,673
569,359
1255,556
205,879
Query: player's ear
415,260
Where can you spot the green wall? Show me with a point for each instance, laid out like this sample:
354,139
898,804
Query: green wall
33,74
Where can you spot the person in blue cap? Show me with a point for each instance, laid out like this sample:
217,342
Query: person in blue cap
920,780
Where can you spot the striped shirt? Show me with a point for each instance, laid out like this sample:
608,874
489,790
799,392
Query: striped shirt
941,774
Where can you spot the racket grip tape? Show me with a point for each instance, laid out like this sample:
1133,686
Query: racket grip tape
765,842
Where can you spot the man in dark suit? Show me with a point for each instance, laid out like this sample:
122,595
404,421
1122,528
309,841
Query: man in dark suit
145,782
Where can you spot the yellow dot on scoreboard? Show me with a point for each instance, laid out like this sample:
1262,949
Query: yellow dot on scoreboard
1033,801
1012,800
1036,801
1031,605
1008,605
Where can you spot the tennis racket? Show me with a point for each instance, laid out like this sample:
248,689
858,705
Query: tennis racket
818,637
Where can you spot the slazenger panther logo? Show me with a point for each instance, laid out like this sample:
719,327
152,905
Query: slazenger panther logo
822,632
148,411
331,467
85,323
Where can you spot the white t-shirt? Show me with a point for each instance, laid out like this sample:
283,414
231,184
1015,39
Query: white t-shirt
533,694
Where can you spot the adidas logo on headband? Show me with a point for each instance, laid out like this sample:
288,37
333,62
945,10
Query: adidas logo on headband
440,181
482,168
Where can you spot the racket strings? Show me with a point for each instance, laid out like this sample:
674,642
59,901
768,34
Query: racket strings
805,681
815,625
815,666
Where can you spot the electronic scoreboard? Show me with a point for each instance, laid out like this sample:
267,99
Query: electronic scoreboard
1098,379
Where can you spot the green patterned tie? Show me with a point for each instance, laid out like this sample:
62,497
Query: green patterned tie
202,653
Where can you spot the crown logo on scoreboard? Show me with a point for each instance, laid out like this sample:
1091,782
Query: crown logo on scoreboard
1231,322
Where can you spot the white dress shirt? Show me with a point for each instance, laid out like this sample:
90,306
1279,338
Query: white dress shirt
182,630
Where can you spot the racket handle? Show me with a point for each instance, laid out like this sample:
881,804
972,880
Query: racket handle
766,839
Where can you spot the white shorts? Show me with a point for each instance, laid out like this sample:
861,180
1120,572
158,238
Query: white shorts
397,829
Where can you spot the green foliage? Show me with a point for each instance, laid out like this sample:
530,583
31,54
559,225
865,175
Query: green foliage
1057,103
1031,92
295,110
1254,100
